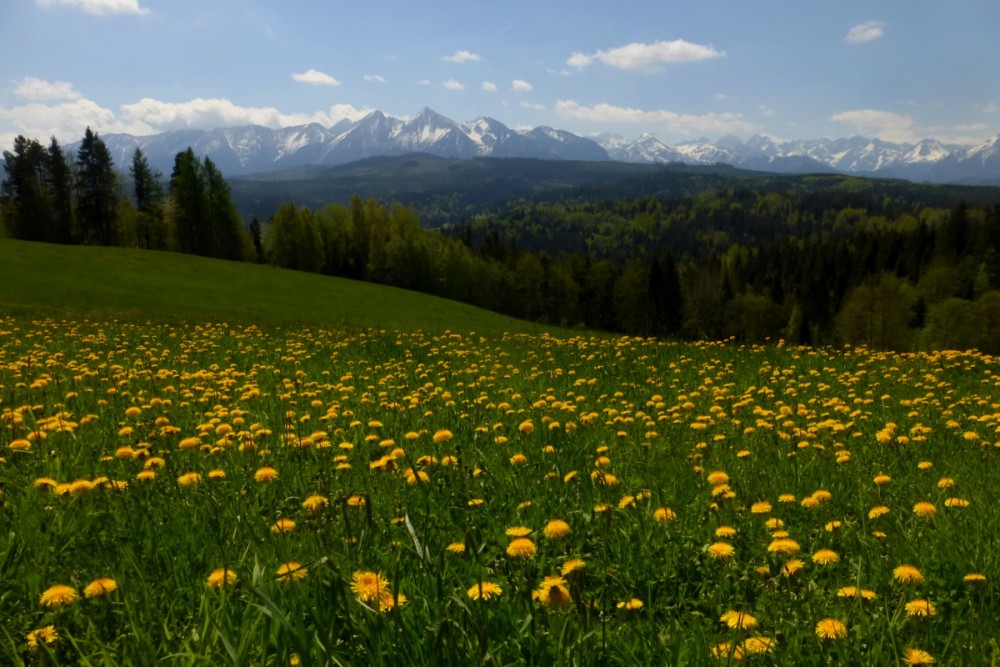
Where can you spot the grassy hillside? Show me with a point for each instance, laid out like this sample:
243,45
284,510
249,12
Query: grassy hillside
47,279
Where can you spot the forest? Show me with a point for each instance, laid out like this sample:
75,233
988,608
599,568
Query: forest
812,260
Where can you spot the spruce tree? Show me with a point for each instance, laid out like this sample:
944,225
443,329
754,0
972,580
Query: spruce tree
97,202
60,187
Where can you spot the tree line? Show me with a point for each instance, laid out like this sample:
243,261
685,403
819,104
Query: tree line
53,197
853,263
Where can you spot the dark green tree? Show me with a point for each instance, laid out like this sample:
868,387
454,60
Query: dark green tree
188,204
96,191
25,185
226,236
60,189
148,202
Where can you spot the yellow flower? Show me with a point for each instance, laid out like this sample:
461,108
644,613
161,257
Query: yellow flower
187,479
552,593
526,427
854,592
831,628
717,478
728,651
738,620
442,436
46,635
20,445
216,474
635,604
518,531
314,503
878,511
924,509
265,474
663,514
57,596
907,574
369,586
784,545
387,601
484,590
974,578
291,571
882,479
521,547
518,460
100,587
282,526
571,566
457,547
760,507
725,531
759,644
825,557
220,577
556,529
921,608
956,502
791,567
916,656
721,550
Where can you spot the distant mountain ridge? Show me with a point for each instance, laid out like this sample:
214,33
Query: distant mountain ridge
255,149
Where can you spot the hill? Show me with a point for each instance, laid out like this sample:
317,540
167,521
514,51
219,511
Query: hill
41,279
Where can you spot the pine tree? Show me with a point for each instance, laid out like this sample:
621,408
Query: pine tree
60,186
224,222
148,201
25,184
97,203
188,204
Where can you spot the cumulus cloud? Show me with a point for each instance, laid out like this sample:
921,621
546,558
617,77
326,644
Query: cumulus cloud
885,125
30,88
314,77
462,57
865,32
520,86
489,86
374,78
68,120
451,84
640,56
98,7
673,122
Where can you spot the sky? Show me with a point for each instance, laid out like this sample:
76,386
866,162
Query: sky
679,69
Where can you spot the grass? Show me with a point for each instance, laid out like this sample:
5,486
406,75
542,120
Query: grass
75,281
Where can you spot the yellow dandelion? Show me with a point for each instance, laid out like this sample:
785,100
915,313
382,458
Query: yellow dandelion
924,509
556,529
728,651
314,503
974,578
760,507
456,547
882,479
221,577
291,571
187,479
19,445
738,620
518,460
442,436
58,596
282,526
553,593
759,644
46,635
265,474
634,604
920,608
784,545
878,511
831,628
786,498
664,514
916,656
388,602
521,547
791,567
571,566
526,427
368,586
907,574
725,532
956,502
518,531
100,587
721,550
825,557
484,590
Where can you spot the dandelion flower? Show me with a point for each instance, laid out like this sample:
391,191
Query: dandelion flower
387,601
282,526
721,550
442,436
265,474
728,651
484,590
221,577
882,479
916,656
921,608
46,635
187,479
556,529
738,620
663,514
791,567
924,509
635,604
878,511
825,557
725,531
831,628
291,571
58,596
314,503
974,578
783,545
457,547
759,644
552,593
907,574
956,502
521,547
760,507
571,566
518,531
368,586
100,587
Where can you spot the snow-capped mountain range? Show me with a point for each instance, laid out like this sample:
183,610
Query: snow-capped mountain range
256,149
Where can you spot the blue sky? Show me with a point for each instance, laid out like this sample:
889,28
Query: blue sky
680,69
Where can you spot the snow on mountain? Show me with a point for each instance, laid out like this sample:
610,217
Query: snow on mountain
249,149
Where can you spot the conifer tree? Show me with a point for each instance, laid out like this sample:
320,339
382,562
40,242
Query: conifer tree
97,202
60,186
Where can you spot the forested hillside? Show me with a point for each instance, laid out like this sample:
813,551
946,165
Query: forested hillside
677,251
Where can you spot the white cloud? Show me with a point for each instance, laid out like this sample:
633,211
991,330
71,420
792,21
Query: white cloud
316,78
765,110
99,7
462,57
640,56
66,121
990,107
489,86
423,82
533,106
521,86
673,122
374,78
885,125
865,32
30,88
451,84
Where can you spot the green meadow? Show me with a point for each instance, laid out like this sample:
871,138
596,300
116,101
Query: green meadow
211,463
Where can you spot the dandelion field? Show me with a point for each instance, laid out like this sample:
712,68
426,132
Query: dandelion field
232,495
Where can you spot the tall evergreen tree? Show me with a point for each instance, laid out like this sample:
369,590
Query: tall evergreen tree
148,202
97,201
224,222
188,204
60,186
25,185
